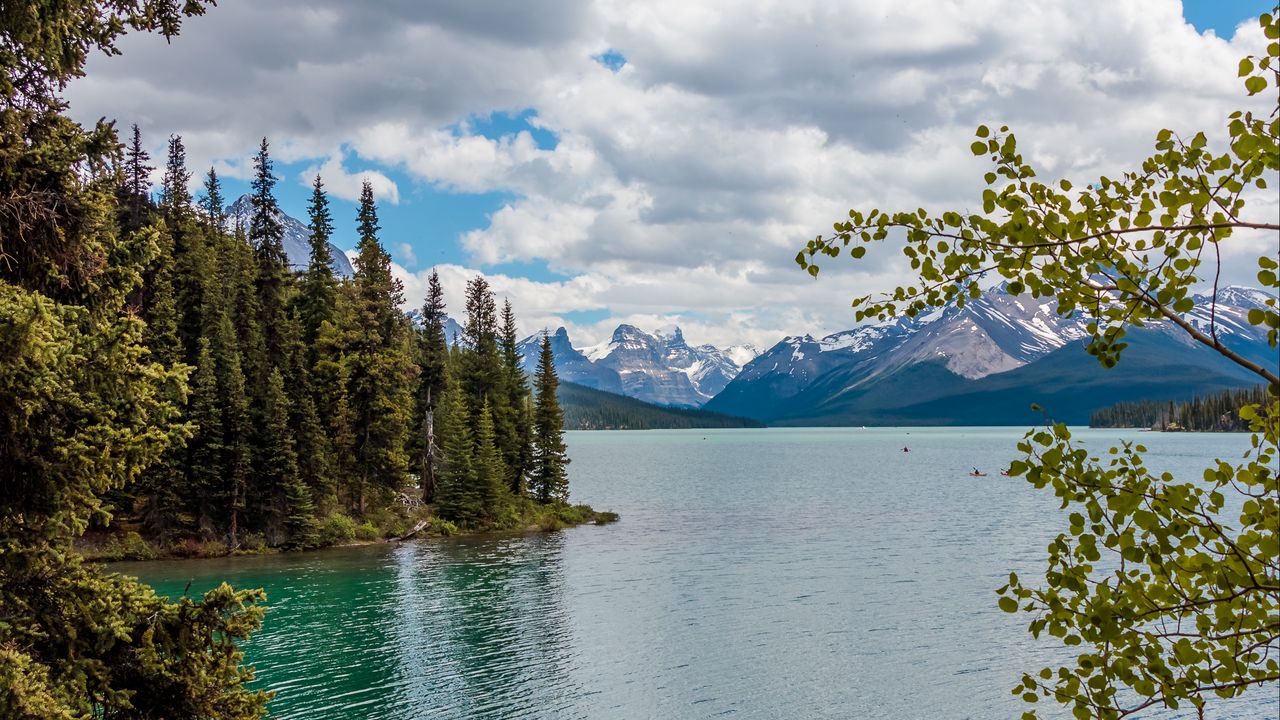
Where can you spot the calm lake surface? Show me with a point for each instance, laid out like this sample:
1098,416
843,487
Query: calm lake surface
781,573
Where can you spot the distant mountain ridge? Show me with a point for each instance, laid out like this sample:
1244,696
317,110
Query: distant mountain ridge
591,409
297,238
660,368
985,363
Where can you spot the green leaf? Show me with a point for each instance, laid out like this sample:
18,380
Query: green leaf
1008,604
978,148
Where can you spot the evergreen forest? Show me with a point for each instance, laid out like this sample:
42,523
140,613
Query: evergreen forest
1215,413
165,371
587,408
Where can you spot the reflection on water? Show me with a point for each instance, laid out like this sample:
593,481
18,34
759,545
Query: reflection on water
755,574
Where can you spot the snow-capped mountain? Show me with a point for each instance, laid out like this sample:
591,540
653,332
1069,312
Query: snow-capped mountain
571,364
452,328
660,368
981,344
297,238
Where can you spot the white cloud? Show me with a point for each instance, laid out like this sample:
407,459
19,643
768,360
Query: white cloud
347,185
682,184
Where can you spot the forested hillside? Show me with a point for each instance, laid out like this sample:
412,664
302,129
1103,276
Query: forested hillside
590,409
1215,413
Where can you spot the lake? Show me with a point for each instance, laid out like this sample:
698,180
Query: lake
780,573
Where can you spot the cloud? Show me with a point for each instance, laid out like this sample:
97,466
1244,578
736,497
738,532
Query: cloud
347,185
683,181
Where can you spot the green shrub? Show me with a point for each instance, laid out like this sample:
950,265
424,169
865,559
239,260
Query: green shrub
443,527
337,528
126,546
368,531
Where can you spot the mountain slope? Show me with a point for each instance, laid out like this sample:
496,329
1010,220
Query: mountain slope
297,238
1068,384
658,368
571,365
590,409
984,363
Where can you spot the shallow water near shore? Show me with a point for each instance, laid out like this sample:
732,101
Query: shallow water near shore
780,573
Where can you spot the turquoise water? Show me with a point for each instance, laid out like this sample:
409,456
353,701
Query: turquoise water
781,573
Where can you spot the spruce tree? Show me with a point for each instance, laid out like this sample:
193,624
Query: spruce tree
318,293
277,463
311,440
212,203
491,481
550,482
456,499
433,358
377,364
84,408
137,180
205,450
514,430
480,368
266,233
237,428
174,195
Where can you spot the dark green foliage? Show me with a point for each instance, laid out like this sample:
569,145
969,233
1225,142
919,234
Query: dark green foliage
174,195
85,408
1216,413
480,369
456,499
377,367
276,462
548,481
266,234
136,192
491,488
212,203
157,368
205,449
512,413
318,293
590,409
433,358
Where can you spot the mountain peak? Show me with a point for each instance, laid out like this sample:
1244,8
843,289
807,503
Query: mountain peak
297,238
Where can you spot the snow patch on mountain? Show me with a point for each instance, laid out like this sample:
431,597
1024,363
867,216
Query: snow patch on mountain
297,238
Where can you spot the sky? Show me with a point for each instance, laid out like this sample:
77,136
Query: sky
661,163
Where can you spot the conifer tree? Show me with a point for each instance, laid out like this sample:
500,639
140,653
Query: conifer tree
318,293
174,195
377,364
277,461
266,233
84,408
190,248
480,369
550,482
312,441
491,491
433,358
205,450
212,202
237,429
456,499
137,179
512,423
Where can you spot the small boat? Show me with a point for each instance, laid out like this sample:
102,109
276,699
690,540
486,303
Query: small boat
1004,473
974,474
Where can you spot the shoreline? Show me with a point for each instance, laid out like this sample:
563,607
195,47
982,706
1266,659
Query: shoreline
123,544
